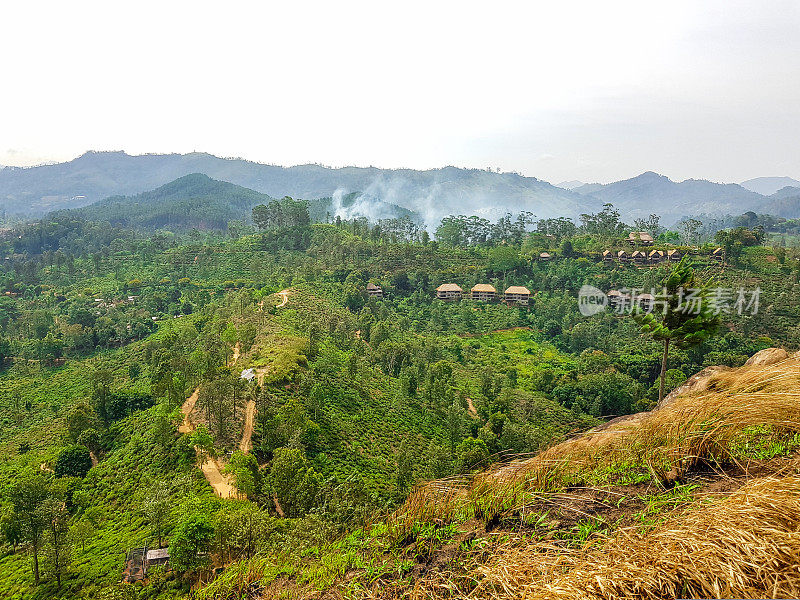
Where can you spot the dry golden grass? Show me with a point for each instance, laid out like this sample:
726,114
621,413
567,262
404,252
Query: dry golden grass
742,545
745,546
700,428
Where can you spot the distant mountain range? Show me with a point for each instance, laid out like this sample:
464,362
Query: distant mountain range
431,194
120,180
653,193
767,186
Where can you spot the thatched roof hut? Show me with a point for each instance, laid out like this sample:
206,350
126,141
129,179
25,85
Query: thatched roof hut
517,294
483,292
640,237
449,291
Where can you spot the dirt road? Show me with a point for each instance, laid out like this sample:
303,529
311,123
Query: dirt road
471,407
237,350
211,468
285,295
247,430
187,426
250,415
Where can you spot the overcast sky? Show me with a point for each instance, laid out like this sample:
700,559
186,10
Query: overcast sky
596,91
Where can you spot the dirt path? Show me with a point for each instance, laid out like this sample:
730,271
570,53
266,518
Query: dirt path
211,468
285,295
471,407
221,484
247,430
261,372
237,350
187,426
250,415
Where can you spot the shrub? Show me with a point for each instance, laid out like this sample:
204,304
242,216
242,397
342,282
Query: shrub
73,461
294,482
190,543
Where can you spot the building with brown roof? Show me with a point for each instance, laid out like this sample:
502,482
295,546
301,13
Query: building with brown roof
449,291
374,291
640,237
614,298
608,256
655,256
674,255
483,292
639,257
623,256
545,256
645,302
718,254
517,294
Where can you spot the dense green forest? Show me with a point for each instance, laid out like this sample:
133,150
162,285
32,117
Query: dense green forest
107,328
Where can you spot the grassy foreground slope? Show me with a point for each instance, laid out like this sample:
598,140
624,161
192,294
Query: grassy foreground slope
698,498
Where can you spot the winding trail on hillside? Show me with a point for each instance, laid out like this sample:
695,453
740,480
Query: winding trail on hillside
211,468
237,350
285,295
471,407
250,415
247,430
188,406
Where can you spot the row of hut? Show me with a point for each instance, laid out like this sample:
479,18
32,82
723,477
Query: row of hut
484,292
653,257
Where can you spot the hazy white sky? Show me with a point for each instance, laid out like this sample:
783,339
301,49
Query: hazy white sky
595,91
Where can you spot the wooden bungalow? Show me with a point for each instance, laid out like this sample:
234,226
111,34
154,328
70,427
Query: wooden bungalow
517,294
645,302
639,257
545,256
718,255
449,291
655,256
640,237
374,291
483,292
615,298
623,256
608,256
674,255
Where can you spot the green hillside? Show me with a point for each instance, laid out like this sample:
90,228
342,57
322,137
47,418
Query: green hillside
191,202
126,420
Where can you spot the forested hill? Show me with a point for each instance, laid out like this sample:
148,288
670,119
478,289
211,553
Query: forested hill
433,193
192,201
198,202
